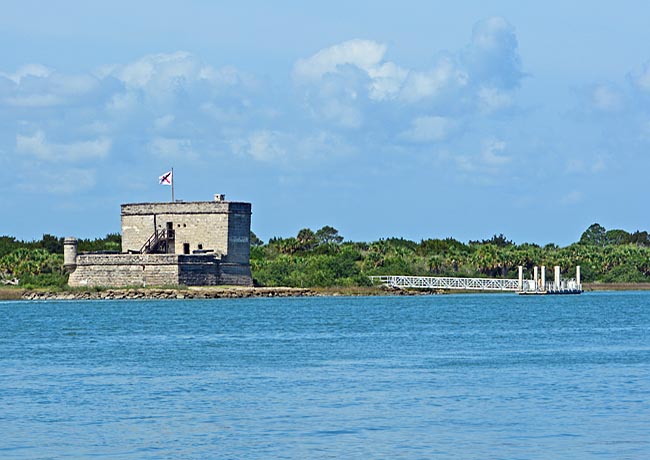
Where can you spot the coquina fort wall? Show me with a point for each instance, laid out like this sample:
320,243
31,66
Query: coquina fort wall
191,243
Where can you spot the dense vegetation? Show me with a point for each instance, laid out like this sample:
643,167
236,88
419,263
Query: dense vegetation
40,263
323,258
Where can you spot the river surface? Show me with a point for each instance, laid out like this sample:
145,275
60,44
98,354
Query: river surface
450,377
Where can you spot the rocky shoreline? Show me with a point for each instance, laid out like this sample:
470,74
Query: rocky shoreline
195,293
192,293
205,292
233,292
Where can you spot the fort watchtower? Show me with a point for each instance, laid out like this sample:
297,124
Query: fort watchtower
192,243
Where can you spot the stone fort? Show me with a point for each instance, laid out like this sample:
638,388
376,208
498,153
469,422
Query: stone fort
197,243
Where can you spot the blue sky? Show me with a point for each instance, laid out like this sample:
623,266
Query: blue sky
407,119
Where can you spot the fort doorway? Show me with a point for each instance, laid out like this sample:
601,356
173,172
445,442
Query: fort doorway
186,248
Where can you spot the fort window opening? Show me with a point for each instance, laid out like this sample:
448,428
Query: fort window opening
200,246
186,248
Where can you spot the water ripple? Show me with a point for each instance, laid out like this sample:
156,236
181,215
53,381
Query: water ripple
465,376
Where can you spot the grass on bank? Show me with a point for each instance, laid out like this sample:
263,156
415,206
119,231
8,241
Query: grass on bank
11,293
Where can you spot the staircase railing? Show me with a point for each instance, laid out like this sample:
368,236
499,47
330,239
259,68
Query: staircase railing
156,240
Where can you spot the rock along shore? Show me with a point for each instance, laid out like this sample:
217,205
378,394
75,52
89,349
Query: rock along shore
152,293
217,292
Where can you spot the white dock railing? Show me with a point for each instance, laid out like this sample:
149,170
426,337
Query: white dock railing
434,282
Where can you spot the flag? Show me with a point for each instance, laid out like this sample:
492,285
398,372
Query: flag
166,179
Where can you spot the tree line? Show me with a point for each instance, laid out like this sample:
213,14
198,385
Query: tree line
323,258
39,263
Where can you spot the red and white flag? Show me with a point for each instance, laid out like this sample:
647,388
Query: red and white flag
166,179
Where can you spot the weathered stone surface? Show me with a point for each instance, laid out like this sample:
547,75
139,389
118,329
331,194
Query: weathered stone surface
221,227
69,253
121,270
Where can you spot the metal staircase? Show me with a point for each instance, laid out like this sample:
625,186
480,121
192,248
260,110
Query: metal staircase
161,242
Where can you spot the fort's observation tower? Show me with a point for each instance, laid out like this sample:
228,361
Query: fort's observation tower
191,243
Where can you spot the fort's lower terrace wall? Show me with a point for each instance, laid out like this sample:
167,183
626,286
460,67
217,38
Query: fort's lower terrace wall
120,270
234,274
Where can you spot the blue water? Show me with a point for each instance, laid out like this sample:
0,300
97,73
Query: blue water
456,376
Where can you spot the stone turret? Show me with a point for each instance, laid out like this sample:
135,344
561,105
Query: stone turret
70,254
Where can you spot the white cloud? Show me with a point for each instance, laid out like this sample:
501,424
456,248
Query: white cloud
482,168
36,86
494,99
384,79
342,114
166,69
641,80
38,147
29,70
163,73
492,57
607,99
430,129
60,182
364,54
178,85
491,60
339,98
223,114
264,145
343,83
123,102
280,146
172,148
176,105
490,153
35,100
445,76
322,145
164,122
72,85
494,35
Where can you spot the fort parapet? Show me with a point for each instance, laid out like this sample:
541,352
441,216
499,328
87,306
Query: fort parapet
198,243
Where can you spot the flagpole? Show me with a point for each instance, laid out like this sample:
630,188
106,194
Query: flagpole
173,180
